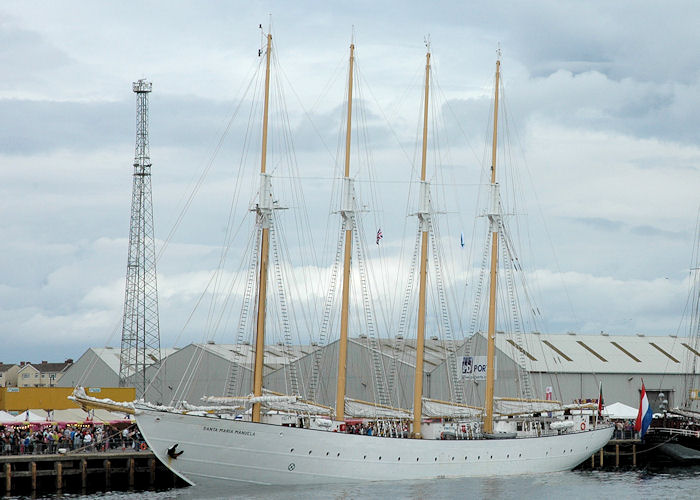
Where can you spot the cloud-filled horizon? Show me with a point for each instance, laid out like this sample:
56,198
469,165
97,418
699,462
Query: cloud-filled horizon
600,109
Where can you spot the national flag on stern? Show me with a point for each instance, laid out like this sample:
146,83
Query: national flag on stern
601,404
645,414
379,235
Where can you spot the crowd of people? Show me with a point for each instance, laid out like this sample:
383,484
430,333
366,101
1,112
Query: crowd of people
378,428
624,429
20,440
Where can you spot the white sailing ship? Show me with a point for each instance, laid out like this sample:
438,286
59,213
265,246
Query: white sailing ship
215,443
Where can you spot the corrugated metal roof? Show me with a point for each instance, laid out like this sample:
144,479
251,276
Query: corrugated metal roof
557,353
110,355
405,350
580,353
276,356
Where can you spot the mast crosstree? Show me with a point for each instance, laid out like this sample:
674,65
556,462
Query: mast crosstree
140,346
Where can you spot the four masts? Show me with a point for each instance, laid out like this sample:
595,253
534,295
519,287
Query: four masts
264,210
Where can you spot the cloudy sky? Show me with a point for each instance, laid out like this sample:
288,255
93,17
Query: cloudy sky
601,101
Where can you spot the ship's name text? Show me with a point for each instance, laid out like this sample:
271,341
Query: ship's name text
230,431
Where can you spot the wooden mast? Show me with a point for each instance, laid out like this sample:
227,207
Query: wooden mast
265,212
494,218
423,215
346,211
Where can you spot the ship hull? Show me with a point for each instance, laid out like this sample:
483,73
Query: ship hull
234,451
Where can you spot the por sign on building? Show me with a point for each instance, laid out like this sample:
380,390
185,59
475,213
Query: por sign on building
474,367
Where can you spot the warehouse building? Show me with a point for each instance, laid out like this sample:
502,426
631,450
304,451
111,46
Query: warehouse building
566,367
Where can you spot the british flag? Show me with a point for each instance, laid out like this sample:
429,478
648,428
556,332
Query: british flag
379,235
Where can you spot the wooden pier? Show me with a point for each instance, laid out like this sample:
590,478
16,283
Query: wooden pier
84,472
662,447
616,454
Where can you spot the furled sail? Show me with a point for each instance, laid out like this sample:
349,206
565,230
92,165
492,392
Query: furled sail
272,401
515,406
433,408
89,403
362,409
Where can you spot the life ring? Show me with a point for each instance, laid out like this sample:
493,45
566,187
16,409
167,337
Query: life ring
583,426
143,446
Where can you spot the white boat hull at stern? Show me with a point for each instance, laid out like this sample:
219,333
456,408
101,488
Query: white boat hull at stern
245,452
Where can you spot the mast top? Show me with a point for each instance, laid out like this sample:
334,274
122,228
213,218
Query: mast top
264,38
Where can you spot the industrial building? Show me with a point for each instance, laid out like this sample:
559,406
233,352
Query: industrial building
98,367
571,367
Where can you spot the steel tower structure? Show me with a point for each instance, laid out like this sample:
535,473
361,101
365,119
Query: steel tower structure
140,346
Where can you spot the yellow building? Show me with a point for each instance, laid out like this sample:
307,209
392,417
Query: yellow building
56,398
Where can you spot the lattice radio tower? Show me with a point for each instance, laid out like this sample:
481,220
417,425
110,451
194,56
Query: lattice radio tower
140,332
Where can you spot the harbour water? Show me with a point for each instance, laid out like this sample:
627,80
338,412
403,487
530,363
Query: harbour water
678,483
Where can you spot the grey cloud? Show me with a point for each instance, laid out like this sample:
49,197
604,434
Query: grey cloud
654,231
31,127
27,58
600,223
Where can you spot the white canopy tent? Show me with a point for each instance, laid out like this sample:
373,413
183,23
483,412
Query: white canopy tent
620,411
31,417
6,418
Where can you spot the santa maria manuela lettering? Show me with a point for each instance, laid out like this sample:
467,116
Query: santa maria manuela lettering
229,431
